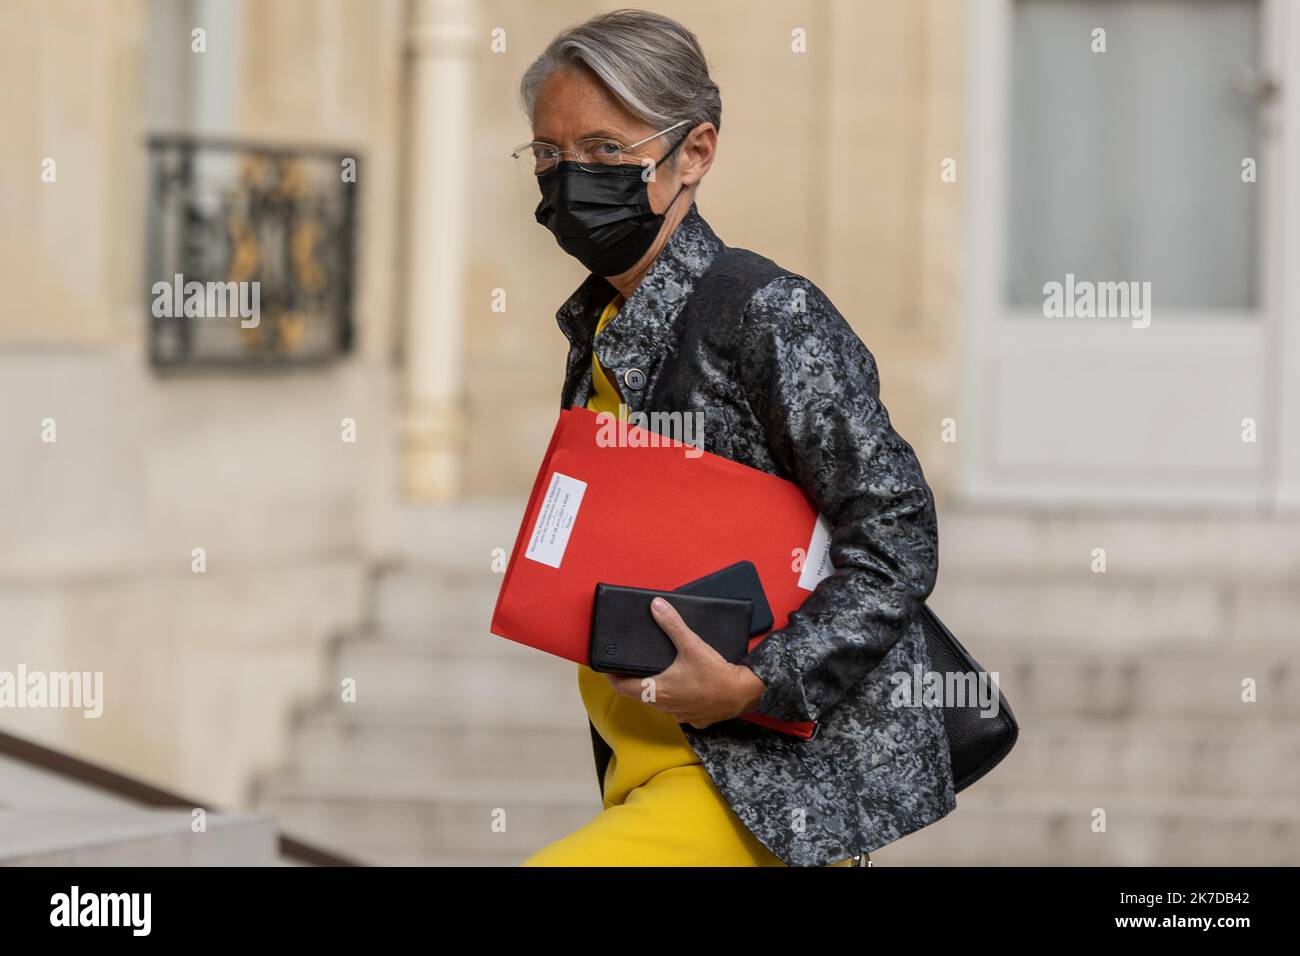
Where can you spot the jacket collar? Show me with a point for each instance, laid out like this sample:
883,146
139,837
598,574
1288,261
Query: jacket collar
641,332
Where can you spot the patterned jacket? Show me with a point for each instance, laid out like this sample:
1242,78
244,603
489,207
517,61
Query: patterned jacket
787,387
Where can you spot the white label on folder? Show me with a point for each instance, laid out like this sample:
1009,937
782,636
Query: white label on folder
555,520
817,560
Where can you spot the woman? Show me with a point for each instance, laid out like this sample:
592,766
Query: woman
625,127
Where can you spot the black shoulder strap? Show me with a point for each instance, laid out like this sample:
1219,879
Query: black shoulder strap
602,752
733,276
722,292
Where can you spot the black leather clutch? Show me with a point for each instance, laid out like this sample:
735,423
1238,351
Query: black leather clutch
626,639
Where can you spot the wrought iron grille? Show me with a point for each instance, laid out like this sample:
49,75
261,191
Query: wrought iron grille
251,253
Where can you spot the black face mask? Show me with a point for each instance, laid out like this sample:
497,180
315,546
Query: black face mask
603,219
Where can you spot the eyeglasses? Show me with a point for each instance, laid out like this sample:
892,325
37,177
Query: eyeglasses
593,154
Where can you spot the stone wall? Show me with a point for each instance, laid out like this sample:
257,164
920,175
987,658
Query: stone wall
200,670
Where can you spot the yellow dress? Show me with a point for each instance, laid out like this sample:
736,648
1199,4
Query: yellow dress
661,807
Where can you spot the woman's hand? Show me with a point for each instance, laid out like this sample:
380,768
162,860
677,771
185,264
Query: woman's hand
700,687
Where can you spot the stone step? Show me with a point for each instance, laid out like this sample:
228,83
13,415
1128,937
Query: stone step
1151,756
1206,549
64,837
338,739
376,812
1188,683
424,604
389,856
1114,612
503,684
462,535
1040,830
420,784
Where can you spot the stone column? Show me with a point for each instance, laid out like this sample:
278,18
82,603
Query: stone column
440,35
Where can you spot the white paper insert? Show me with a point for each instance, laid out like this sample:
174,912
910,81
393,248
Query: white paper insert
817,559
550,534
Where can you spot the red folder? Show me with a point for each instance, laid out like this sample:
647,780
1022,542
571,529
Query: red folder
653,513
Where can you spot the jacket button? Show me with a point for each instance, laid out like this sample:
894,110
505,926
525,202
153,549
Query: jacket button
634,379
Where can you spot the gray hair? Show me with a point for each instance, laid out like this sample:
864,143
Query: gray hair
652,64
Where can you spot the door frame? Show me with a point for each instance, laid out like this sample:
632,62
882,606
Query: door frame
1248,345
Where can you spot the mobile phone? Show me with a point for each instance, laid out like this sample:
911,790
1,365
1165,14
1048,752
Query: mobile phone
739,580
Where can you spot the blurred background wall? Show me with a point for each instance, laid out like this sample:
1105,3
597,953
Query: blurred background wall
929,164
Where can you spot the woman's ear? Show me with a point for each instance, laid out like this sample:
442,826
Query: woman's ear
696,153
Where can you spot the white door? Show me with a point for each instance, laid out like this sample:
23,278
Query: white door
1125,274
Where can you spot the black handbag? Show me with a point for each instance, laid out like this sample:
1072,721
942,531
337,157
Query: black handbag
977,743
